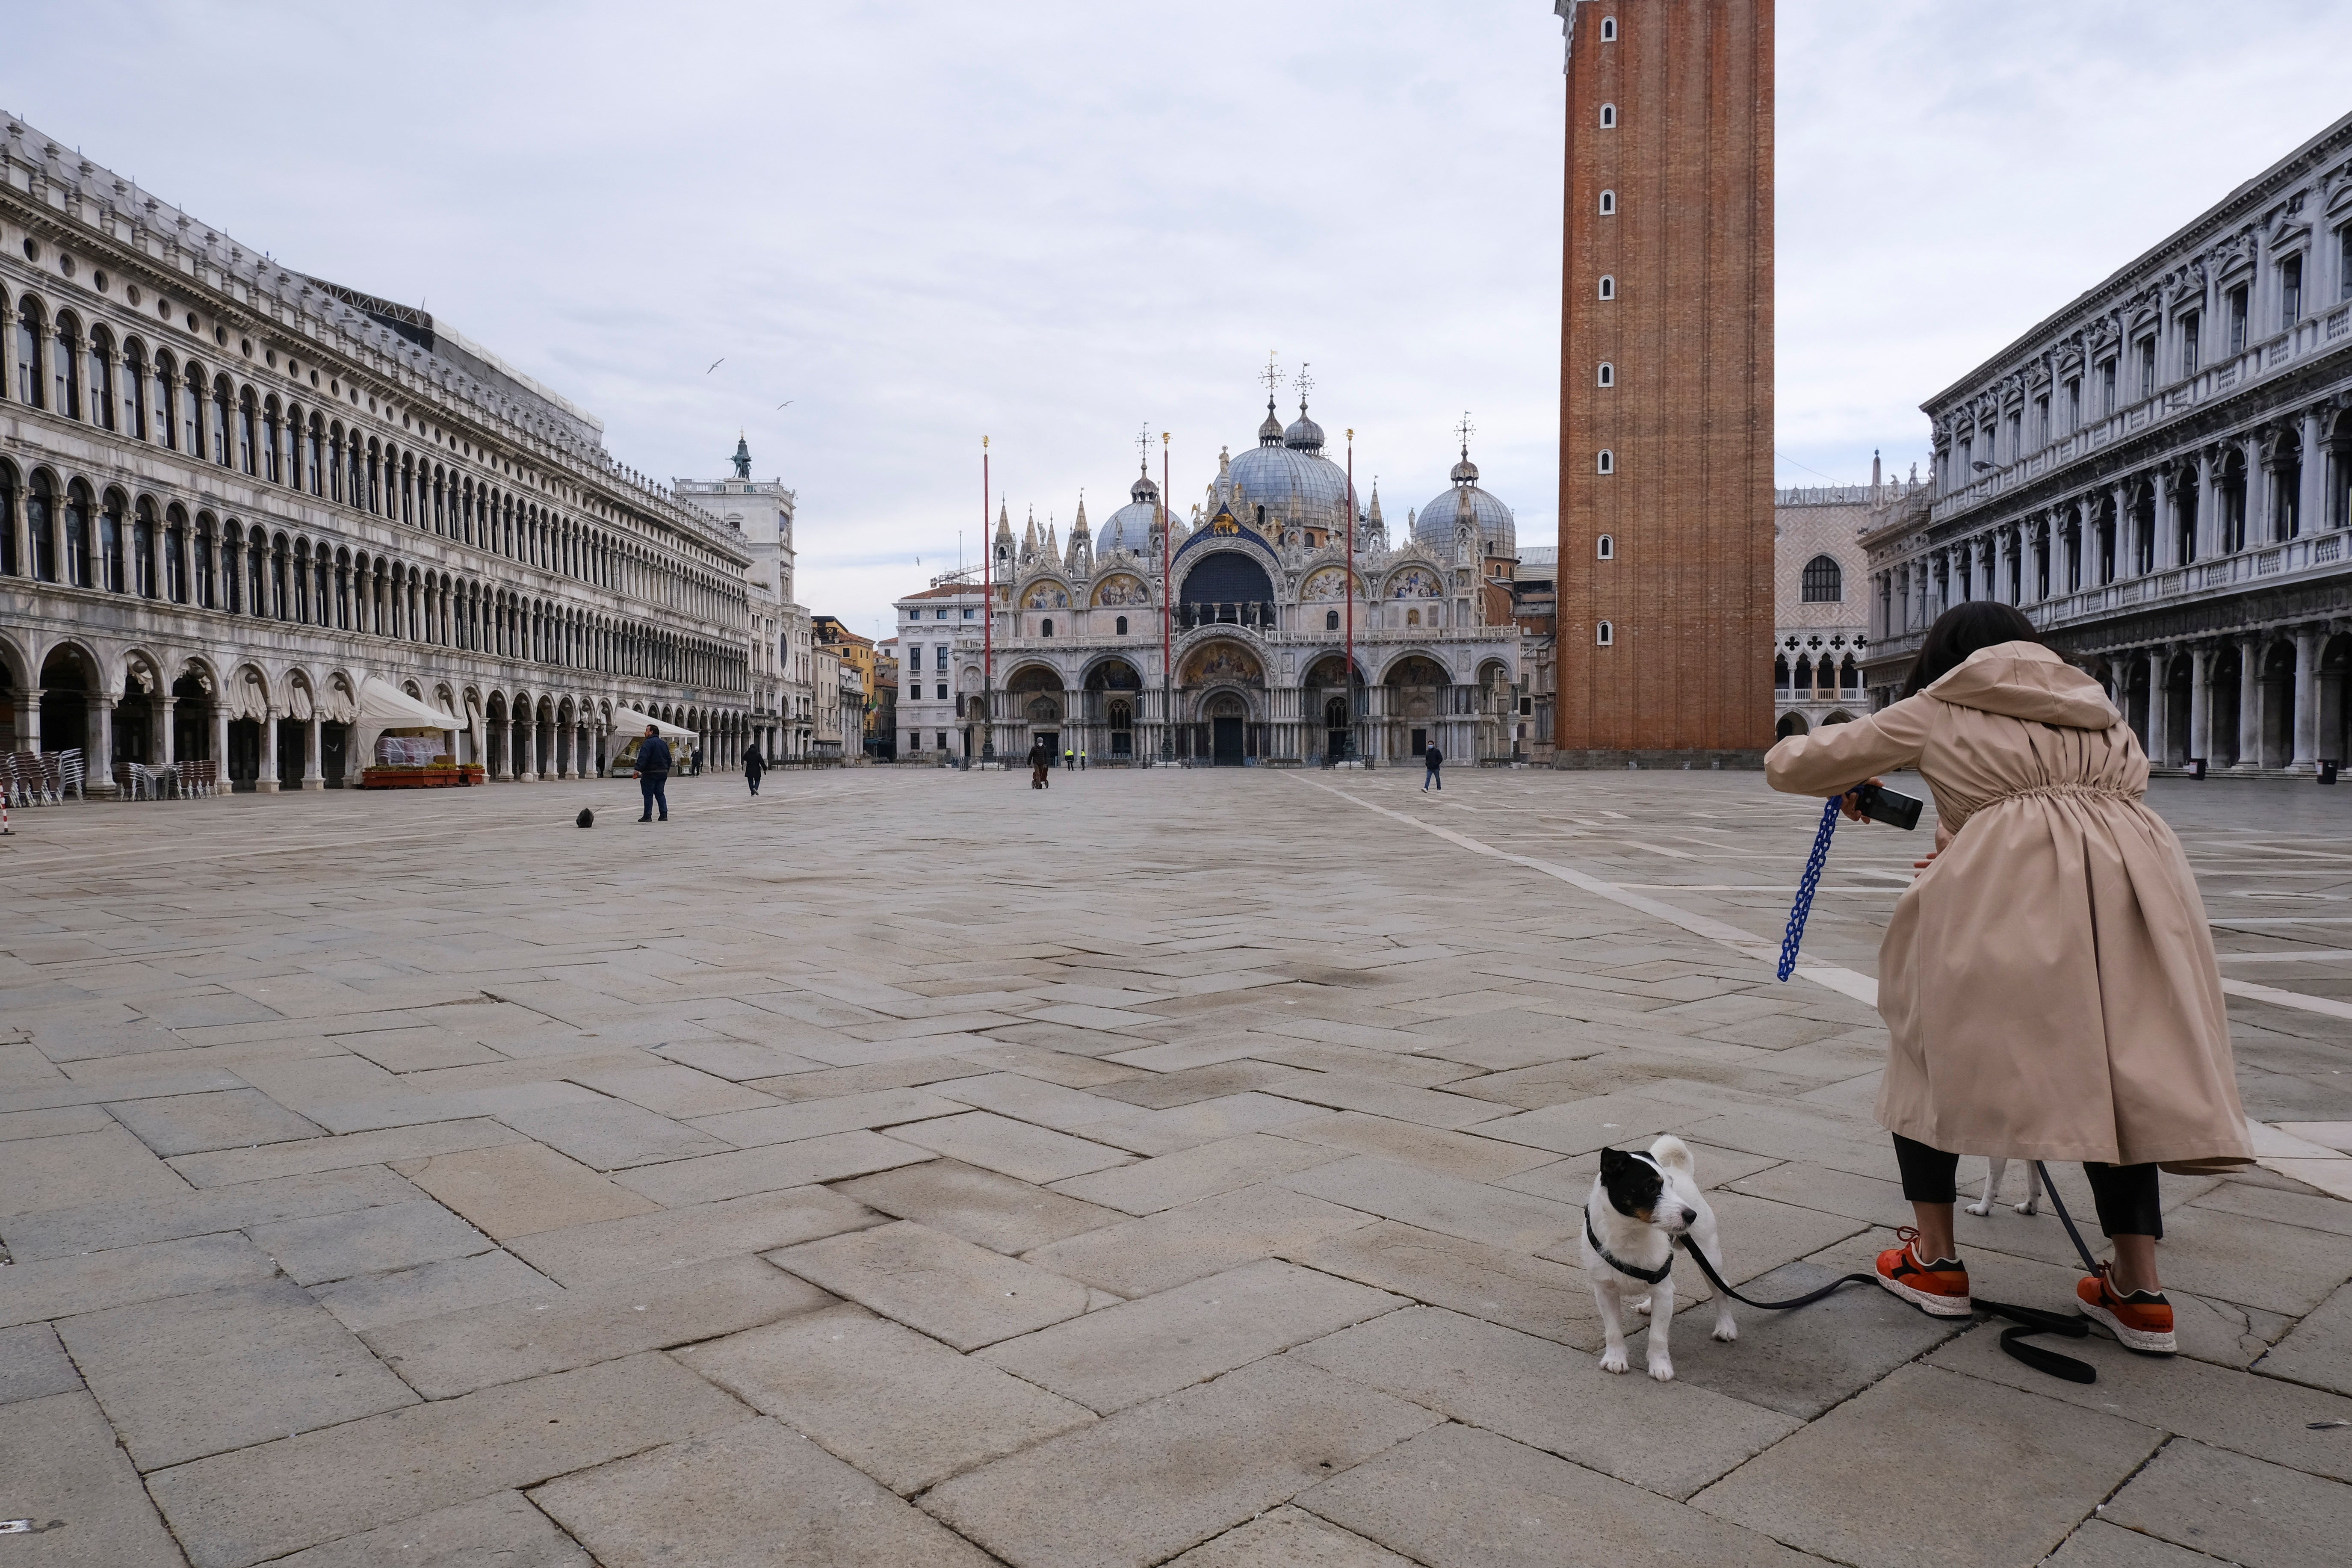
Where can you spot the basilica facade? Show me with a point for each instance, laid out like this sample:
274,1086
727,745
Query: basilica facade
1226,637
253,518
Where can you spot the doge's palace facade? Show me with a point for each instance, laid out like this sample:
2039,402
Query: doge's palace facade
233,496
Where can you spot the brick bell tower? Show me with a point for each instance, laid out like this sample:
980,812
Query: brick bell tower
1665,404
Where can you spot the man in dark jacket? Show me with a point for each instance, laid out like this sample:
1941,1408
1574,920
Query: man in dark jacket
755,765
1041,762
652,773
1435,759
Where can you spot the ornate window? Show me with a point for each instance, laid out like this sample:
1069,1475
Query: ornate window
1330,620
2290,291
66,367
1825,581
134,389
101,378
31,390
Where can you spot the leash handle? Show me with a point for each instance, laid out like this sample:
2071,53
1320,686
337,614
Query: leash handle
1804,907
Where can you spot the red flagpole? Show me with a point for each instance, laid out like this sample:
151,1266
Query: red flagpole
1348,676
987,617
1167,579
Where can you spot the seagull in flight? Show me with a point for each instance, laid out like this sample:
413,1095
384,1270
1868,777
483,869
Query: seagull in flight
716,364
787,403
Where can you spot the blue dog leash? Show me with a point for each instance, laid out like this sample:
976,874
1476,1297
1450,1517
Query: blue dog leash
1805,889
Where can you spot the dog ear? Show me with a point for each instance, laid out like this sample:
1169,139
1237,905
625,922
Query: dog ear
1610,1159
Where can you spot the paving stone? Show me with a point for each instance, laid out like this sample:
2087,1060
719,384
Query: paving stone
368,1241
58,1233
1581,1126
1153,1481
2048,1463
60,1287
1198,1171
740,1061
1140,1350
76,1169
200,1374
713,1178
2318,1349
235,1509
1801,1362
1027,1154
1671,1438
1569,1179
499,1531
1532,1295
903,1408
1224,1076
458,1352
32,1365
222,1167
814,1117
949,1289
2262,1515
2312,1209
190,1124
373,1301
63,1470
978,1206
2098,1544
1139,1256
1456,1497
15,1124
1067,1068
1288,1537
671,1089
1378,1097
612,1134
2264,1416
515,1189
671,1239
1475,1211
2285,1268
1863,1198
756,1492
1470,1157
1152,1133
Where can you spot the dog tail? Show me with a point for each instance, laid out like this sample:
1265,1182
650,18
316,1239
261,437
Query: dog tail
1674,1155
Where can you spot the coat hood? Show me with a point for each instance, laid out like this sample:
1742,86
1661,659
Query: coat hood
2025,680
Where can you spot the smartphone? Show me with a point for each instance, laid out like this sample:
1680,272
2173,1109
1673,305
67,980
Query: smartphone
1883,804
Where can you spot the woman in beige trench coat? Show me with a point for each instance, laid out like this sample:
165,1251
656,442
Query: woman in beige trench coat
2048,982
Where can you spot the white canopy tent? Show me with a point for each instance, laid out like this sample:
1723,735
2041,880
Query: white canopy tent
630,722
388,706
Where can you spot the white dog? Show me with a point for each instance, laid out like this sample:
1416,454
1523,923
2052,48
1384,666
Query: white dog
1640,1204
1994,1170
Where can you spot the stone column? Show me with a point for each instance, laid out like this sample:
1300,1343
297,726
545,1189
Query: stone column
2155,741
2206,529
265,780
219,712
98,758
2258,494
28,719
314,771
2249,703
2305,729
2200,703
2168,524
2312,499
538,753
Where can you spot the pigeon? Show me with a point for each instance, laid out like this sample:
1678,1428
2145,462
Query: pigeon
586,818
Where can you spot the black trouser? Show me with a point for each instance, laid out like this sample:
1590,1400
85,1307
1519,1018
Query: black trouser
655,787
753,775
2126,1194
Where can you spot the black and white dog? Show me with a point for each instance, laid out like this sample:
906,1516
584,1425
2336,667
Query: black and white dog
1640,1204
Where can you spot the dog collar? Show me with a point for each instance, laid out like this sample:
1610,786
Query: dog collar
1647,1276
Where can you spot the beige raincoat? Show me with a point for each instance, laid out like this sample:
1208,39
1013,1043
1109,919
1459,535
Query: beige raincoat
2048,982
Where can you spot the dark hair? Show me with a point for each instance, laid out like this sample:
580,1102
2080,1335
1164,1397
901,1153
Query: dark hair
1959,631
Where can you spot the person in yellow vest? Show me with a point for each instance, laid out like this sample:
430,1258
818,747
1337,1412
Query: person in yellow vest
1069,757
1082,759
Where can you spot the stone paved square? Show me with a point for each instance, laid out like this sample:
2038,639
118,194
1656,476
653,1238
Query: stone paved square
904,1166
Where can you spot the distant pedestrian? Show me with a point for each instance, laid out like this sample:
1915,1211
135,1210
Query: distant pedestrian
1041,762
651,773
696,771
755,765
1434,759
1082,759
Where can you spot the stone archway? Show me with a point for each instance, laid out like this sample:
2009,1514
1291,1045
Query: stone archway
68,685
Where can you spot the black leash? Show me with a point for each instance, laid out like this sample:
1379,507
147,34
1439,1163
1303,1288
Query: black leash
2029,1320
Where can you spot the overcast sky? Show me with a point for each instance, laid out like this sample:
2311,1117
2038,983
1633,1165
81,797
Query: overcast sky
1057,222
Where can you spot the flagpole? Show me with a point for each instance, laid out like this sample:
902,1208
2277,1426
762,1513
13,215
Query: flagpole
1348,676
988,619
1167,642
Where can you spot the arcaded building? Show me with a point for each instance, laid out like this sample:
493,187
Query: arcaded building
1225,640
242,509
1821,595
1665,451
2161,475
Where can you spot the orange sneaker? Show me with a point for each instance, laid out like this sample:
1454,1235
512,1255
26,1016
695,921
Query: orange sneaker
1940,1287
2141,1322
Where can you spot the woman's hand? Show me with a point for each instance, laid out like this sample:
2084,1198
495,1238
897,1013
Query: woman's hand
1851,802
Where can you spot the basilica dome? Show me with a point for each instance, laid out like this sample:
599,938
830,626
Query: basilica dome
1433,524
1129,528
1287,474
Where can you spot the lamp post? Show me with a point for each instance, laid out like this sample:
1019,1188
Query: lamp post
987,620
1167,639
1347,675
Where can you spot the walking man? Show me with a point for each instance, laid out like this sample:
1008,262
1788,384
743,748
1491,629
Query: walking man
651,773
696,755
1082,759
755,765
1041,764
1435,759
